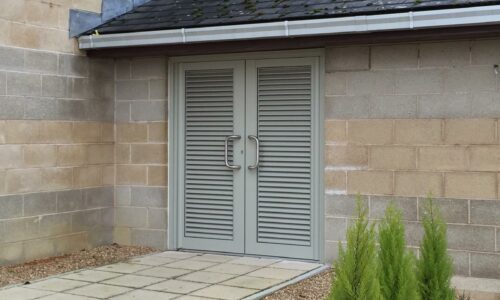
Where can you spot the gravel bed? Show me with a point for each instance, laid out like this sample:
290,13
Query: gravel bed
314,288
61,264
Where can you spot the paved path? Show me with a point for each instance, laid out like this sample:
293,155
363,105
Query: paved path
167,275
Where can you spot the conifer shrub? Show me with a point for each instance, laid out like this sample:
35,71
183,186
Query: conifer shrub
396,264
434,268
356,267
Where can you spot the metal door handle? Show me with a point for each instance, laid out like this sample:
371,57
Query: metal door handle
226,151
257,154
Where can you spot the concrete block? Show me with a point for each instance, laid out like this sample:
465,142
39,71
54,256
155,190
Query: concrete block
469,131
3,83
345,107
484,158
134,217
99,110
347,58
452,210
442,158
21,229
370,182
23,180
370,132
86,132
393,106
444,106
473,238
470,185
11,253
150,238
132,90
71,200
485,104
11,156
370,83
346,156
55,132
101,154
335,180
11,59
150,67
149,197
392,158
40,204
336,83
419,81
122,235
74,110
80,88
132,132
422,132
12,108
123,196
122,111
123,69
343,206
445,54
158,89
43,109
158,132
418,184
73,65
413,233
56,179
335,131
86,220
331,251
485,265
149,153
55,86
131,174
460,262
149,111
11,207
408,207
157,176
157,218
485,212
335,229
90,176
71,155
40,62
21,132
40,155
485,52
394,56
22,84
51,225
99,197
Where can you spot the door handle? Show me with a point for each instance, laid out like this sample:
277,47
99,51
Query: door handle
257,153
226,151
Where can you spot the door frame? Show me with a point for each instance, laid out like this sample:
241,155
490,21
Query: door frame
174,137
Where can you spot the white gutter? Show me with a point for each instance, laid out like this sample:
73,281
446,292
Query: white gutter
481,15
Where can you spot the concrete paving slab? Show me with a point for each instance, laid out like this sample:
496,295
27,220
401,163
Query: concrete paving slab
65,297
232,269
214,258
56,284
225,292
254,261
90,276
100,291
177,286
275,273
152,260
20,293
145,295
190,264
125,268
206,277
252,282
164,272
133,281
295,265
177,254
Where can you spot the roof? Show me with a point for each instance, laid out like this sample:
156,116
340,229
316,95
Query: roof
175,14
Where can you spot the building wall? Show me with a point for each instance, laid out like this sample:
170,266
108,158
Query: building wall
141,152
406,120
56,134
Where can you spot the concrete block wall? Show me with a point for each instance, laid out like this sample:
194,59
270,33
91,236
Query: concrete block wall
141,152
56,135
410,119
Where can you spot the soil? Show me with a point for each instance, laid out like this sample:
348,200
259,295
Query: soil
314,288
95,257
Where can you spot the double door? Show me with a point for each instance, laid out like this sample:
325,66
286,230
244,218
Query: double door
248,163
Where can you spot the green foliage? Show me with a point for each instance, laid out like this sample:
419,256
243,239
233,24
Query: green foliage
396,263
434,268
356,267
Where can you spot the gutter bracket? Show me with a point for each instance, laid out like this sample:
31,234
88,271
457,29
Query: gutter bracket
412,22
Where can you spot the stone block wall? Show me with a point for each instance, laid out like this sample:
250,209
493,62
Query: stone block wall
406,120
56,135
141,152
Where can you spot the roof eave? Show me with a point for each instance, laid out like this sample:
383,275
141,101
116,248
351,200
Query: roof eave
470,16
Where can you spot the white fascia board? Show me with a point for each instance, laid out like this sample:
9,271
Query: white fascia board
482,15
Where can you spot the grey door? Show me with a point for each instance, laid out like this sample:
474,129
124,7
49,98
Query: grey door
249,169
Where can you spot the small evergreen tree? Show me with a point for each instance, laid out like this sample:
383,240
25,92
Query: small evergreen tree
396,264
356,267
434,268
